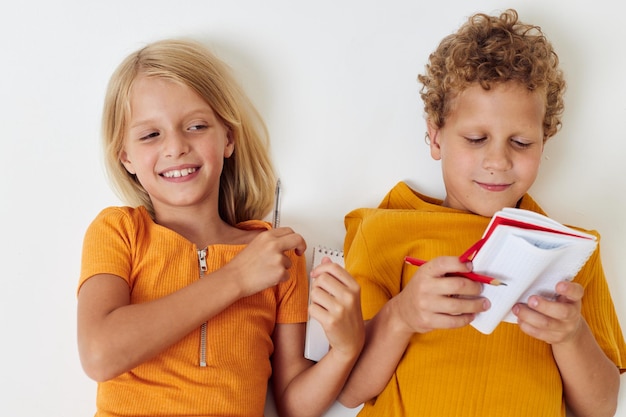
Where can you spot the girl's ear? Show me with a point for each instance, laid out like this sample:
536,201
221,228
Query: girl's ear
433,135
127,163
230,145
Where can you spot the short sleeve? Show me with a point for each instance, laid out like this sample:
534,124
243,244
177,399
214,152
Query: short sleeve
378,285
107,246
293,294
599,311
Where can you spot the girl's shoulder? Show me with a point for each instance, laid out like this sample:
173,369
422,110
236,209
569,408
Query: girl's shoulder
244,232
252,225
135,214
123,218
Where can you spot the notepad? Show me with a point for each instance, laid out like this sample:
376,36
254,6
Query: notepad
316,342
529,252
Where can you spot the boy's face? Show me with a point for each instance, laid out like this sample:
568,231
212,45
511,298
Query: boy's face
490,147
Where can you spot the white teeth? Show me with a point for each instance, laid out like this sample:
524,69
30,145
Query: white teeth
179,172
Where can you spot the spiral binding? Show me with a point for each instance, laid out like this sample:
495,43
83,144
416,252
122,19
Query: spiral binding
320,251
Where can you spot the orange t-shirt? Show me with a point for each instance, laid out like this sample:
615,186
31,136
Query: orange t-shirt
155,261
461,372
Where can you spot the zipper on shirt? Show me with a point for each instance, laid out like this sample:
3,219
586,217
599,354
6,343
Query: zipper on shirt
203,330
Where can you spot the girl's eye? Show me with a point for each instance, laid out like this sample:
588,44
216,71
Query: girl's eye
149,136
198,127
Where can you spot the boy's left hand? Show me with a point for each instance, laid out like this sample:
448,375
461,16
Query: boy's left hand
553,321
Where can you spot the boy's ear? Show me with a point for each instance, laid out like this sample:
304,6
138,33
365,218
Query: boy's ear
127,164
433,136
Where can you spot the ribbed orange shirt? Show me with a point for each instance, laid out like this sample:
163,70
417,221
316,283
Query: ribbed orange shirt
155,261
461,372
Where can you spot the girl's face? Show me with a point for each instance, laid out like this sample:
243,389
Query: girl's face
174,144
490,147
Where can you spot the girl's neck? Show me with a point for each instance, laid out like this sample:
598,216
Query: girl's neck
200,226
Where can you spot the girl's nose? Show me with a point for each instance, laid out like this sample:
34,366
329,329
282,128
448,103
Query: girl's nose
175,145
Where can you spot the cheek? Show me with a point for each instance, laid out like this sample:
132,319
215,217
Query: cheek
529,167
460,160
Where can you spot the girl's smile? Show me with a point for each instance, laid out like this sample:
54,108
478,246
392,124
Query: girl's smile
178,173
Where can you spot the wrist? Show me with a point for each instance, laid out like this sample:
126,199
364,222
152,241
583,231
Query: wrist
396,318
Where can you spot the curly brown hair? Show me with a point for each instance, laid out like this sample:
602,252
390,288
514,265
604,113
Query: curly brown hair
493,49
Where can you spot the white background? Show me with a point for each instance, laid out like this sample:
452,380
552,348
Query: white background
336,83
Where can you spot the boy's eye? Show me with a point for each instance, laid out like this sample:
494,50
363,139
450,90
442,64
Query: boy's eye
475,140
520,144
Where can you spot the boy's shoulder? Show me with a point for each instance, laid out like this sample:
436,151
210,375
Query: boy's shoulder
401,201
400,197
403,197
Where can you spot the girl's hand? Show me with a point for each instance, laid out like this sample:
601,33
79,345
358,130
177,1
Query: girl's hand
336,304
436,299
552,321
264,262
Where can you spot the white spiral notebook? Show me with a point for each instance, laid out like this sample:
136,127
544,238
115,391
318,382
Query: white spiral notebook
316,343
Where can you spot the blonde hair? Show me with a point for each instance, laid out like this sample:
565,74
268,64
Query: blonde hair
247,180
493,49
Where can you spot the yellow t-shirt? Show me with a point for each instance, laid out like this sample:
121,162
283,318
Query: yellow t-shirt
461,372
155,261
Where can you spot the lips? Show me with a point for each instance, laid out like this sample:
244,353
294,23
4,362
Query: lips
493,187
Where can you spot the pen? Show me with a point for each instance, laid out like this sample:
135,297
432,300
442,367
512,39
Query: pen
276,221
470,275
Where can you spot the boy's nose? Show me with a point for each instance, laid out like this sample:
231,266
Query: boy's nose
497,158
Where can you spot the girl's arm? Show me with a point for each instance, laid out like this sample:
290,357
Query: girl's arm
590,379
305,388
115,336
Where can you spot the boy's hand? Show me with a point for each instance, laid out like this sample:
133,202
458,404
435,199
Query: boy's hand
552,321
436,299
336,304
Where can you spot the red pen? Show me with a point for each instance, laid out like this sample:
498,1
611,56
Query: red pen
470,275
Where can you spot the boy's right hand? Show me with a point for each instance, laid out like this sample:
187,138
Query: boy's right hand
264,262
436,299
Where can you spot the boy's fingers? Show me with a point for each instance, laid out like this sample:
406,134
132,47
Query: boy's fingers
570,290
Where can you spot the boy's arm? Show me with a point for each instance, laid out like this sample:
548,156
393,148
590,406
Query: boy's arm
590,379
386,339
423,305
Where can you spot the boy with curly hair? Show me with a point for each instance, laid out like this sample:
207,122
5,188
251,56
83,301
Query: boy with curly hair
493,95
